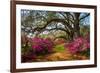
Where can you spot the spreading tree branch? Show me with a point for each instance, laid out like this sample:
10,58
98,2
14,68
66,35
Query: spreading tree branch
84,16
53,20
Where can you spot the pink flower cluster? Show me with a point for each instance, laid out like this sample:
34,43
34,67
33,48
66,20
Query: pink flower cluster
78,44
42,44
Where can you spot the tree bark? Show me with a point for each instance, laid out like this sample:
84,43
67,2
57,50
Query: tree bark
76,25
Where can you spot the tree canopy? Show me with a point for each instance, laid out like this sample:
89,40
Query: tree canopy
35,23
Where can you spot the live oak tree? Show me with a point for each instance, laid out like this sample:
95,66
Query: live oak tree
37,22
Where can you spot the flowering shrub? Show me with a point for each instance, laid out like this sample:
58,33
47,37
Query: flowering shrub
42,45
78,45
45,49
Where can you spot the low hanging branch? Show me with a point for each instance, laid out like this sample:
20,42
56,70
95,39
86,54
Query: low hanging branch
58,29
53,20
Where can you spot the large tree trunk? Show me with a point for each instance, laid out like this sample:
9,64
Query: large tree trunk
76,25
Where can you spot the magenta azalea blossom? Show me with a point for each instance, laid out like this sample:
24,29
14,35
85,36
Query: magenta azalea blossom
42,44
78,44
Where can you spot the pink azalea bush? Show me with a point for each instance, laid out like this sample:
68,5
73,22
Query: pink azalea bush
42,45
78,45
